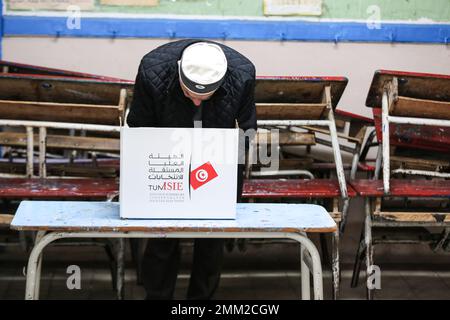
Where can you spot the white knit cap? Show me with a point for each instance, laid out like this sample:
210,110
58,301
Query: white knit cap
202,67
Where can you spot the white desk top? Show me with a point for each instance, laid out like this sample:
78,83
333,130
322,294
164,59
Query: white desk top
83,216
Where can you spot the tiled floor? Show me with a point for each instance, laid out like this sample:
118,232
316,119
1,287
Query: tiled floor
267,272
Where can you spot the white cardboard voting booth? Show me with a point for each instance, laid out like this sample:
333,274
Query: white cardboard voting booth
178,173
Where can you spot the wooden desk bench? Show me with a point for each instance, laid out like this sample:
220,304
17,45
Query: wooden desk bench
294,188
362,166
403,188
291,104
59,103
21,68
389,224
357,128
415,113
37,188
63,189
60,106
428,145
431,138
408,101
56,220
304,189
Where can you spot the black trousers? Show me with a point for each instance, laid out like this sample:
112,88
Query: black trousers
161,260
160,268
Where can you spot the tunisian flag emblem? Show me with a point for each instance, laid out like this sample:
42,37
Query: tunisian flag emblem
202,175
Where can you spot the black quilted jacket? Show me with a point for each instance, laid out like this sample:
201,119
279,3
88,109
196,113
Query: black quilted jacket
158,100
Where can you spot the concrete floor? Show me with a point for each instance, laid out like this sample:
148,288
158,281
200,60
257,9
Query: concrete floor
267,272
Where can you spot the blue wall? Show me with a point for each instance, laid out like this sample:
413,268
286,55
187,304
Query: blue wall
227,29
233,29
1,29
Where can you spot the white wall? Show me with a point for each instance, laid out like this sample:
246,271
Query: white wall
357,61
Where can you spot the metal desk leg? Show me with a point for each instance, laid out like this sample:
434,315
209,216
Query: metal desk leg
33,268
309,253
315,262
339,168
335,264
23,241
120,264
355,162
306,290
337,156
378,162
136,246
39,237
369,246
360,254
345,208
386,141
